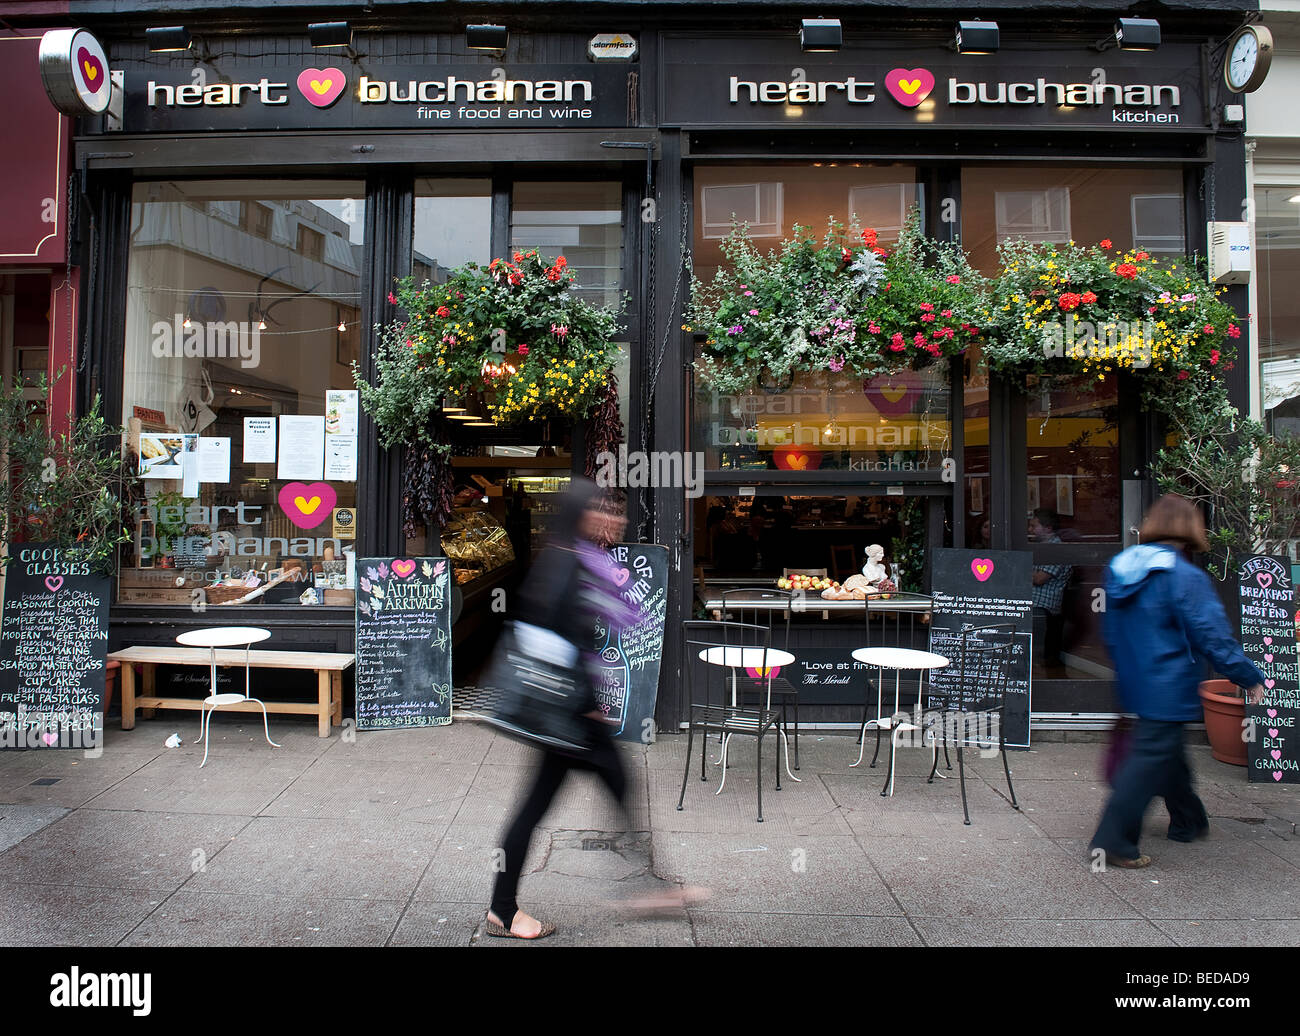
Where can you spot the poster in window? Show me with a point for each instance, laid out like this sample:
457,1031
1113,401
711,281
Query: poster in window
302,448
1065,494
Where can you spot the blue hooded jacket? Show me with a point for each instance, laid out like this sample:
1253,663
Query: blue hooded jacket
1163,620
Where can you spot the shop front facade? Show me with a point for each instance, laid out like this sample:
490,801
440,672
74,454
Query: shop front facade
274,192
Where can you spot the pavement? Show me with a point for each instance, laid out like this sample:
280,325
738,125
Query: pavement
389,839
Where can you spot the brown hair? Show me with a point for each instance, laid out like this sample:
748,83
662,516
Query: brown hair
1174,517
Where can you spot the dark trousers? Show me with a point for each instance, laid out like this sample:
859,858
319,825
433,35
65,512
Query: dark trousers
1156,765
1053,636
603,759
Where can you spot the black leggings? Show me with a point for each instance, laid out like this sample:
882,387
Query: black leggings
603,759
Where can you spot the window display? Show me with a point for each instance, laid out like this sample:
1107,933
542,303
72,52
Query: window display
243,316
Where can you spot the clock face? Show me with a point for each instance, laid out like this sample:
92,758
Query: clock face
1242,60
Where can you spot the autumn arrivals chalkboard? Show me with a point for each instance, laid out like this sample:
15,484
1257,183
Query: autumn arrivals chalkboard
971,588
626,679
1268,636
53,642
403,676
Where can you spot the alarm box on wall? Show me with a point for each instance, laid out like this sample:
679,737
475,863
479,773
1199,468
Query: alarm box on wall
1229,252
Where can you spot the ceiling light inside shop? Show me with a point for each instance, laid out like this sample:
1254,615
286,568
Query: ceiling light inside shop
486,37
330,34
977,38
168,37
821,34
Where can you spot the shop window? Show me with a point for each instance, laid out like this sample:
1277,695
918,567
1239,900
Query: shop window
453,226
1132,207
238,393
1158,223
978,474
1277,239
1034,215
882,207
757,205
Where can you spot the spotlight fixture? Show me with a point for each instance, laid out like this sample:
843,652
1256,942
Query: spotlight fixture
821,34
168,37
330,34
976,38
486,37
261,324
1133,34
342,325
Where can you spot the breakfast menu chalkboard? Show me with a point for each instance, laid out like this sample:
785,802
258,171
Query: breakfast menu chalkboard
403,676
627,677
53,639
983,588
1268,636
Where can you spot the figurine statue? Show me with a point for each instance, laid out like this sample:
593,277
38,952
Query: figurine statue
873,571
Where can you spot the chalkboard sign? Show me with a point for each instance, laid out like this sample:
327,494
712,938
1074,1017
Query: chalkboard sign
627,677
403,675
53,640
973,588
1268,635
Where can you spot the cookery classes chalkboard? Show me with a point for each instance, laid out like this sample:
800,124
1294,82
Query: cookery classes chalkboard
627,676
1268,636
973,588
53,640
403,676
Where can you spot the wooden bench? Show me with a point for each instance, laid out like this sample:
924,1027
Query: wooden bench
328,666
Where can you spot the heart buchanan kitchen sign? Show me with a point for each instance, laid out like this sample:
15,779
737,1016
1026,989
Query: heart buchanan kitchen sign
1269,639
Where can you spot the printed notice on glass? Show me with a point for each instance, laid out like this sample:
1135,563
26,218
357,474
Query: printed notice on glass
214,459
340,458
342,411
259,440
302,448
190,466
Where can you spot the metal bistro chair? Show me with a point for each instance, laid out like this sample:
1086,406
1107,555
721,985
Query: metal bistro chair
979,680
722,718
890,628
763,606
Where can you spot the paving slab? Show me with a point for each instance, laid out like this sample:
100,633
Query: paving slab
464,865
68,915
582,801
17,822
342,786
174,783
770,928
117,850
582,925
952,931
237,919
282,856
440,924
803,808
457,743
1254,933
76,779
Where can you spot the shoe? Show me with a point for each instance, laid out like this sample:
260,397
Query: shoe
1134,864
1201,834
495,930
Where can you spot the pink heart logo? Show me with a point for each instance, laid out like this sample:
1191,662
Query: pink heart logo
982,568
621,576
1264,579
321,86
1276,753
1268,640
1268,684
52,583
909,86
92,70
1268,657
763,672
1277,775
1272,731
308,505
403,569
1272,713
50,739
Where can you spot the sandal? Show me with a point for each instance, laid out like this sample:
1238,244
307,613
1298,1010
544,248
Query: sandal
1134,864
497,931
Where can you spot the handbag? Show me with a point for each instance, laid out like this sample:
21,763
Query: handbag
541,682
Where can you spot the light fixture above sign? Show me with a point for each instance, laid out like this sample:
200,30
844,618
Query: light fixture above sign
163,38
976,38
74,70
330,34
1134,34
487,37
821,34
611,46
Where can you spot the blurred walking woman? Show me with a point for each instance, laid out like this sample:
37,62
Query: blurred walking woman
1163,621
568,590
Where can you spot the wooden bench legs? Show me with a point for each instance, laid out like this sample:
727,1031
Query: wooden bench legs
128,696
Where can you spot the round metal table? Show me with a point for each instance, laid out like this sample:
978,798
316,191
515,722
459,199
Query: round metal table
214,637
897,659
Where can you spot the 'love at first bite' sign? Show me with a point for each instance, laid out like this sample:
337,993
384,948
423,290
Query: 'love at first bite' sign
626,679
1269,638
403,643
983,588
53,640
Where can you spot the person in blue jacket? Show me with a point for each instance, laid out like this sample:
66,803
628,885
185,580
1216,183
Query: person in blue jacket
1163,621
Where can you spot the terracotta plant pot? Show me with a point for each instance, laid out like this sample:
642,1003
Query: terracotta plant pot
1224,712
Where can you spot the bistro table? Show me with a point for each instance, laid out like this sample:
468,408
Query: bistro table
897,659
758,659
214,637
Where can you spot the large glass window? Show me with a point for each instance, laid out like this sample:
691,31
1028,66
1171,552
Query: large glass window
243,317
1277,237
453,226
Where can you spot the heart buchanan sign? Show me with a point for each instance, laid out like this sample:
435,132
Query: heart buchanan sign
1269,639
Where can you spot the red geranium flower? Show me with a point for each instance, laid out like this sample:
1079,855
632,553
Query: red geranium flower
1208,329
442,311
927,318
1127,270
1214,357
1088,297
1182,375
1234,331
522,350
896,342
561,262
392,299
952,278
519,257
869,238
1106,243
1142,255
1069,300
846,256
927,307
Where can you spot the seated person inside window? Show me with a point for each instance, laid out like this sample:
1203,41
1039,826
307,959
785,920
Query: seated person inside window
298,577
